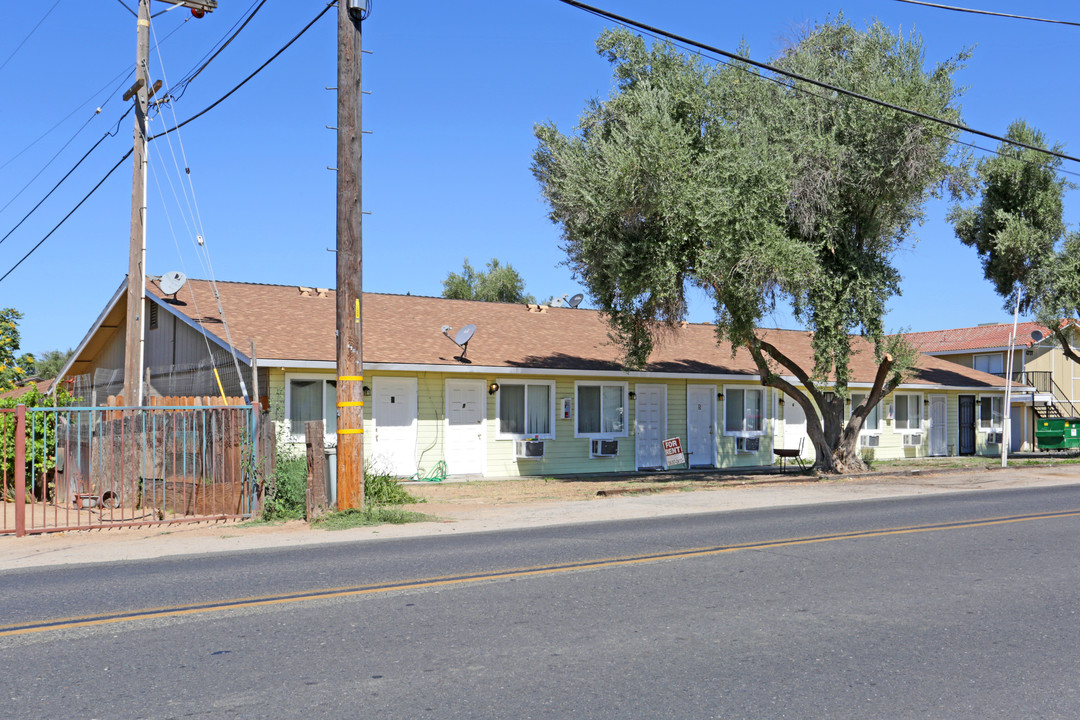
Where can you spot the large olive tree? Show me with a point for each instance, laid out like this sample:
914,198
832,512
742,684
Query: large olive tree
757,189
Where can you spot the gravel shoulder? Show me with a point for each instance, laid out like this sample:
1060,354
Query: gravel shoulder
490,505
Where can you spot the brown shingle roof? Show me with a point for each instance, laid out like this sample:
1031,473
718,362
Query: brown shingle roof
976,338
288,325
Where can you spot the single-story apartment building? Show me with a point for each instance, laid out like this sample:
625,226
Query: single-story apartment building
536,390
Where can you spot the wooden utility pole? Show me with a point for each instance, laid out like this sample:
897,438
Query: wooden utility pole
136,285
350,359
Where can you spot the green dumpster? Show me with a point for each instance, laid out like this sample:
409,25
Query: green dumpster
1057,433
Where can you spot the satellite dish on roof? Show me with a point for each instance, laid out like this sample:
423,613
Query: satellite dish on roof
1036,335
171,282
464,335
576,300
461,339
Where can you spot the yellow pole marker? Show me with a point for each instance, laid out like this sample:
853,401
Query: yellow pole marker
351,403
350,431
351,378
357,309
221,388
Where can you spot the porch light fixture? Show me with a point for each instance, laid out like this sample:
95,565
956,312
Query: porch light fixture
719,396
926,402
632,394
493,388
367,391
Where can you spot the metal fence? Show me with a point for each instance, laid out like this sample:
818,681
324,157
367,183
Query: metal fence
96,467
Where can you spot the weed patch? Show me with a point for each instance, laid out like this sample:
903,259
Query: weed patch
371,515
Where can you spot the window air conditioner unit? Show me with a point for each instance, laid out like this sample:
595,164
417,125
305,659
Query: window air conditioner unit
528,449
747,444
870,440
604,448
993,438
912,439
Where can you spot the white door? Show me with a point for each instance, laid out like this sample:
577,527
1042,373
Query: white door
395,426
795,429
701,425
939,429
465,432
650,412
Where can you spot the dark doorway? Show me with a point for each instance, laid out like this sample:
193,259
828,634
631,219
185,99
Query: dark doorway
967,424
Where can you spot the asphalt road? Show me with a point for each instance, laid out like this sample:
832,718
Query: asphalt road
946,606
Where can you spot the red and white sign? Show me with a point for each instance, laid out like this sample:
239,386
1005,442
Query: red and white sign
673,454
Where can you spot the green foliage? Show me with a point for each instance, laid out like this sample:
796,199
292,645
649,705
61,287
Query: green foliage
1018,230
51,363
13,367
40,439
287,499
500,283
384,489
754,189
370,515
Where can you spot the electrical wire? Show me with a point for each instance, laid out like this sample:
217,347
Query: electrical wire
243,82
173,129
127,8
177,91
64,219
802,78
32,31
57,185
988,12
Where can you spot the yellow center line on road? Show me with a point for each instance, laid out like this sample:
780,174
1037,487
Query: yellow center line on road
422,583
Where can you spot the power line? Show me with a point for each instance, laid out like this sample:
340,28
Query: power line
72,212
802,78
32,31
817,96
160,134
243,82
987,12
218,48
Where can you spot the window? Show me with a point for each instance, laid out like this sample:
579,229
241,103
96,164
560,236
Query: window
908,412
872,423
991,413
601,409
311,398
743,411
989,363
526,410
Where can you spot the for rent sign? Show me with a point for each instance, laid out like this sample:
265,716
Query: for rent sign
673,454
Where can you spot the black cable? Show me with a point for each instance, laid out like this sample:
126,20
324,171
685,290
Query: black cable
245,80
802,78
127,8
32,31
152,137
57,227
987,12
191,75
58,184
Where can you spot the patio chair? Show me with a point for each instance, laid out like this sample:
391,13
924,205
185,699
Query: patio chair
793,454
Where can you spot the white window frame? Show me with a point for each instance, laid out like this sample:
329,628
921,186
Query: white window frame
1000,357
896,415
328,437
764,412
552,402
877,408
991,428
624,387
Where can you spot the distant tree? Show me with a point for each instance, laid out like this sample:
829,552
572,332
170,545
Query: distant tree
756,188
13,367
1018,231
500,283
49,365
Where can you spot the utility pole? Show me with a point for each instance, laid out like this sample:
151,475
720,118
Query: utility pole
350,359
136,285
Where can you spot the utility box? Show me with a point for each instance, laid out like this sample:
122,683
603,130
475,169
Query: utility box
1057,433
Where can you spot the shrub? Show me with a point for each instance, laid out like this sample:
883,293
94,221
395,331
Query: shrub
287,498
381,488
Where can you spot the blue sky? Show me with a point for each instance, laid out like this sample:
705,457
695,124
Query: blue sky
456,90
